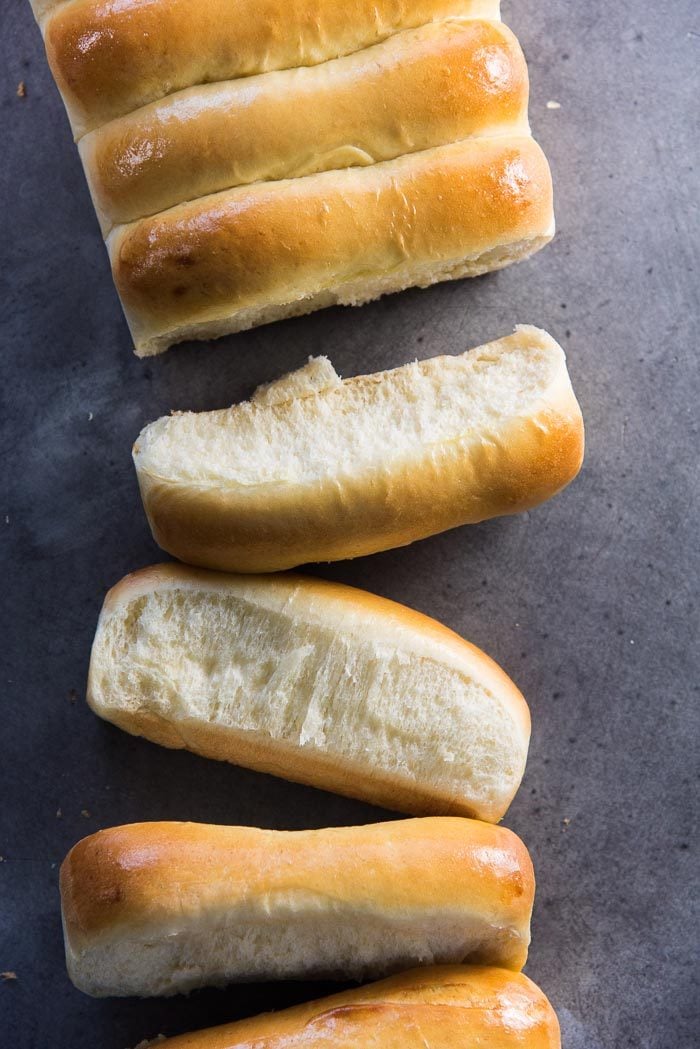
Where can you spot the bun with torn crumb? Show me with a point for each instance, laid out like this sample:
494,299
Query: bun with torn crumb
336,470
312,681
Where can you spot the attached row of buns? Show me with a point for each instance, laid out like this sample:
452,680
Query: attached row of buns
251,160
441,83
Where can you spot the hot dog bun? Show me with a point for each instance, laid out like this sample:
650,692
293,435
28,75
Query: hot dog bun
337,470
444,1007
312,681
161,908
258,253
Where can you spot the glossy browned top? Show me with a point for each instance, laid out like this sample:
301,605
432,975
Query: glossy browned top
421,88
155,872
442,1007
110,58
277,241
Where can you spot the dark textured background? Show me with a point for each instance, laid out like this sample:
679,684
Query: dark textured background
588,602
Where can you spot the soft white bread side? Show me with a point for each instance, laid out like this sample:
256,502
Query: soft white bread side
421,88
316,375
162,908
111,58
313,681
255,254
443,1007
374,462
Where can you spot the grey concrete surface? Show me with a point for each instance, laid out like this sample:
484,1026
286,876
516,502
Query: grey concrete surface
589,601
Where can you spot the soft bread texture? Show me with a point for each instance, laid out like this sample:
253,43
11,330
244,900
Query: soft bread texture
441,82
258,253
442,1007
313,681
337,470
317,375
161,908
110,58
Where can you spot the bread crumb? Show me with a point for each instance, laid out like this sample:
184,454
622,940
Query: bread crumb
85,813
150,1041
553,105
9,975
21,89
59,813
566,821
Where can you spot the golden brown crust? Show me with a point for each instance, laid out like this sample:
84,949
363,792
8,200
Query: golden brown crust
441,83
275,243
444,1007
108,59
236,531
159,875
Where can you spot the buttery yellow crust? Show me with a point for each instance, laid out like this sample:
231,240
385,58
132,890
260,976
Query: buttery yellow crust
109,59
159,877
352,611
441,82
281,243
265,528
443,1007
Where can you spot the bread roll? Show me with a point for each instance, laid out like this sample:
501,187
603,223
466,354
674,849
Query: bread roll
110,58
161,908
444,1007
312,681
374,462
442,82
258,253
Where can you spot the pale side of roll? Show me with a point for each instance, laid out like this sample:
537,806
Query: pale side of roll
163,908
332,470
317,375
110,58
442,1007
312,681
439,83
256,254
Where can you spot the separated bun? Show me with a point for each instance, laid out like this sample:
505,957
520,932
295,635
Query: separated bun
445,1007
312,681
160,908
333,470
